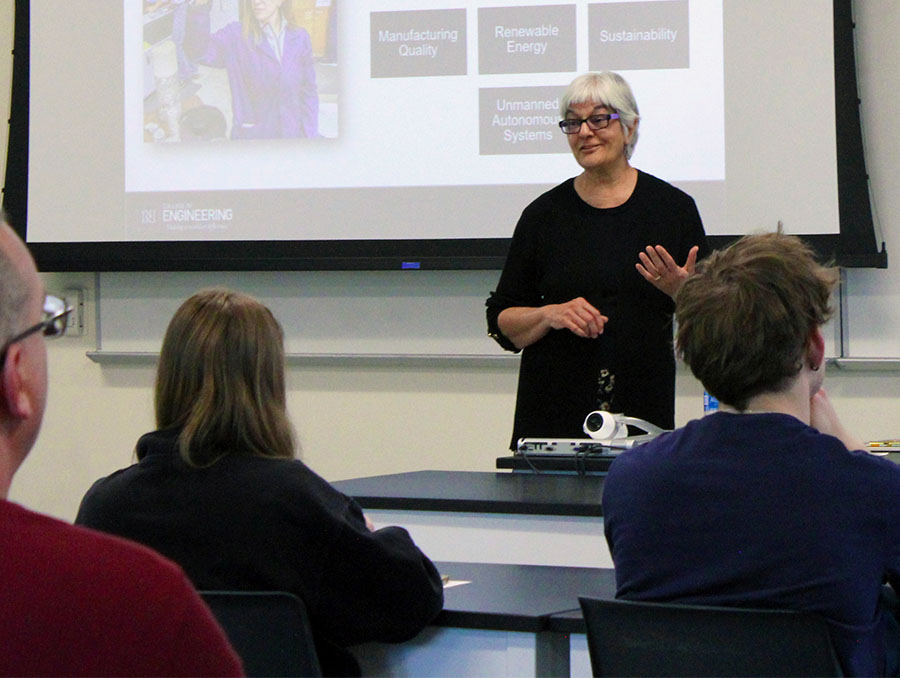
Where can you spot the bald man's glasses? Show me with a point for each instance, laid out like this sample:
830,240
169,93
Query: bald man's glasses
53,325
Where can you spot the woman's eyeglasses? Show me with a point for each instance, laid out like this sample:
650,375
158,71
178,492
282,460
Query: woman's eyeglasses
53,325
594,122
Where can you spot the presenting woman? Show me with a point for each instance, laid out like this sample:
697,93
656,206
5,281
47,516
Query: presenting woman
217,490
586,292
271,71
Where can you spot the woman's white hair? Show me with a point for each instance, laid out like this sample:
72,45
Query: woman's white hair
609,90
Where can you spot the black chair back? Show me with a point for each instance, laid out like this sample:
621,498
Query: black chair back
628,638
269,630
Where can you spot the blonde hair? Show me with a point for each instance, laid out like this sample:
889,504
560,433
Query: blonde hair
220,379
250,27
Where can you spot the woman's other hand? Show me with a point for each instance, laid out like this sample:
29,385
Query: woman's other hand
525,325
577,316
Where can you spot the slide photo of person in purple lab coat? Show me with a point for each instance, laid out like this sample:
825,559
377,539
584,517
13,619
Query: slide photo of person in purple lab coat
257,66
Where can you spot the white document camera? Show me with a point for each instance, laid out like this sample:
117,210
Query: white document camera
612,429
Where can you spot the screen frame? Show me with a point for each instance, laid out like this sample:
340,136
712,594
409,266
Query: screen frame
856,245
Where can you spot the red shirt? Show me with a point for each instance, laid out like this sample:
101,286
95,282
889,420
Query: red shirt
76,602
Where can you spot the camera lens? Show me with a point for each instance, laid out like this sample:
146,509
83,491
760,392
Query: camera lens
594,422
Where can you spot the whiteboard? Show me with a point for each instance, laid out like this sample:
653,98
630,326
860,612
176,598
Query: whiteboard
329,313
391,313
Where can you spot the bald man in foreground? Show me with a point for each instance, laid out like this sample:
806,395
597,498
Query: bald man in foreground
73,601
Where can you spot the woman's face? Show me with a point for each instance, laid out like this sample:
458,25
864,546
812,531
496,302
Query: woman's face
597,148
266,11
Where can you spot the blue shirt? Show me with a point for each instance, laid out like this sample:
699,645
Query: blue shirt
760,510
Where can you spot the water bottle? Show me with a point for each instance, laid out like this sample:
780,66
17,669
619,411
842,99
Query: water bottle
710,403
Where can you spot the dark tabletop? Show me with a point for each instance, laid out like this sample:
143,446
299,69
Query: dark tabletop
520,597
477,492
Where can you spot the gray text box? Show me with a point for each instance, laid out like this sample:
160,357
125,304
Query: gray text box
538,39
639,35
517,120
418,43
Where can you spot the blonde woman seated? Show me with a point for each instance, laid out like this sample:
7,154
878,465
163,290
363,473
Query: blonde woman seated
218,490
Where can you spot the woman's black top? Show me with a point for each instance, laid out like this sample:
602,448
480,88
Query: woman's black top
564,248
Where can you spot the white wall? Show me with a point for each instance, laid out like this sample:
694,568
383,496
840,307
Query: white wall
370,417
6,41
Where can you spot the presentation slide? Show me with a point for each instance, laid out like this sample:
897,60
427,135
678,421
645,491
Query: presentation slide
410,119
